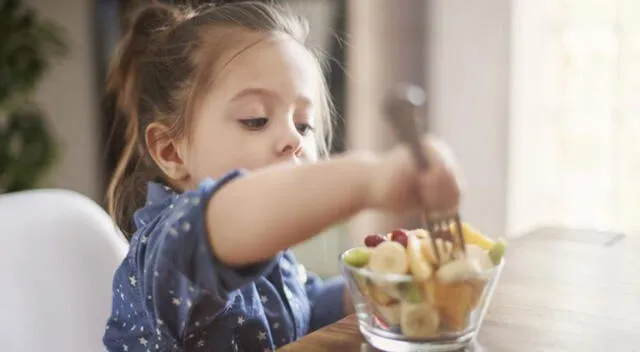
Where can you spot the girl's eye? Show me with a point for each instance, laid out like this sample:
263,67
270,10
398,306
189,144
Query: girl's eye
255,124
304,128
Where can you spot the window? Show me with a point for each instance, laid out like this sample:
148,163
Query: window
575,123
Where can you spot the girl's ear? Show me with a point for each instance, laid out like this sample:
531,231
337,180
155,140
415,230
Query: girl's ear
165,151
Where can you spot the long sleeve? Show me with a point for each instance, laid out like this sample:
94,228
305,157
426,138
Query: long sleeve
327,300
179,267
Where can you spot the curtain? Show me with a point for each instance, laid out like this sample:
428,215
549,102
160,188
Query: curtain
575,119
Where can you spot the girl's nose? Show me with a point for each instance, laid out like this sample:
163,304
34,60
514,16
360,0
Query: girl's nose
289,142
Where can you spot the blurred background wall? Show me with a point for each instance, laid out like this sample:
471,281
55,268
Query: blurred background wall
69,94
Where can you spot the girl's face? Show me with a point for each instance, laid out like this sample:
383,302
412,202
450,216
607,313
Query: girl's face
260,111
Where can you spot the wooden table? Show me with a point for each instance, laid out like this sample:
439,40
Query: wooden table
561,290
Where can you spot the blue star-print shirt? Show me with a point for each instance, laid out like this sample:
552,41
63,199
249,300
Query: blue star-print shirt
172,294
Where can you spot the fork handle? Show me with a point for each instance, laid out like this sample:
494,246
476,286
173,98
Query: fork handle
419,154
401,109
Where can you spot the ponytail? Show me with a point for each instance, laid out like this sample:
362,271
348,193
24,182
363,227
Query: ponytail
125,192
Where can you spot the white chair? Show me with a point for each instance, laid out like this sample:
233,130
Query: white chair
58,253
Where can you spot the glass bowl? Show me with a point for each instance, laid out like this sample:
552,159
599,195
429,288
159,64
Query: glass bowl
399,313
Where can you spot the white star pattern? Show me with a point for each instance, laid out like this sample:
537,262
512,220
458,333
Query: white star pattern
176,224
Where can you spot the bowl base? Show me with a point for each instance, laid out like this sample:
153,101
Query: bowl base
462,344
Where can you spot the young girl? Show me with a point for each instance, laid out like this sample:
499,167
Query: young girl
227,116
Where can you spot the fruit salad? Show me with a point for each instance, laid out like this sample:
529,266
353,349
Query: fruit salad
414,290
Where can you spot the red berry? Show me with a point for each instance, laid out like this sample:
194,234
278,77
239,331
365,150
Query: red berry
374,240
400,236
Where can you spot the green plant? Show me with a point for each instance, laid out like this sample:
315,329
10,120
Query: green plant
29,45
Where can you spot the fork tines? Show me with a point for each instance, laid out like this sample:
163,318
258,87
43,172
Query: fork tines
440,232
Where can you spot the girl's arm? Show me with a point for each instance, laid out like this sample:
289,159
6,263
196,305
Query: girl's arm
254,217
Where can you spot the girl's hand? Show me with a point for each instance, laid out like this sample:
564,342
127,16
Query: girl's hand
398,185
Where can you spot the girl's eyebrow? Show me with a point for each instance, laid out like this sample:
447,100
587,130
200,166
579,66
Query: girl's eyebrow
304,101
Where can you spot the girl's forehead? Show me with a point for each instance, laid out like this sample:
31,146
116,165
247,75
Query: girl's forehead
270,62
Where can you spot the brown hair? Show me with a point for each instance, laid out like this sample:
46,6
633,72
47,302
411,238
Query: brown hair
164,59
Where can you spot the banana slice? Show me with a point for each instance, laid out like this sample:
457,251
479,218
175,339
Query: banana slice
418,320
458,270
420,233
427,251
418,264
445,250
389,258
480,255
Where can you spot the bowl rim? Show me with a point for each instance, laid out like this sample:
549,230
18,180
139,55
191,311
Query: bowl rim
405,278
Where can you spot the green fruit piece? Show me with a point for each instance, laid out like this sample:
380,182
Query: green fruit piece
411,292
497,251
357,257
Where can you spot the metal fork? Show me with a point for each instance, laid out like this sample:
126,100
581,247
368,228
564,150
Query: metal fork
401,109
